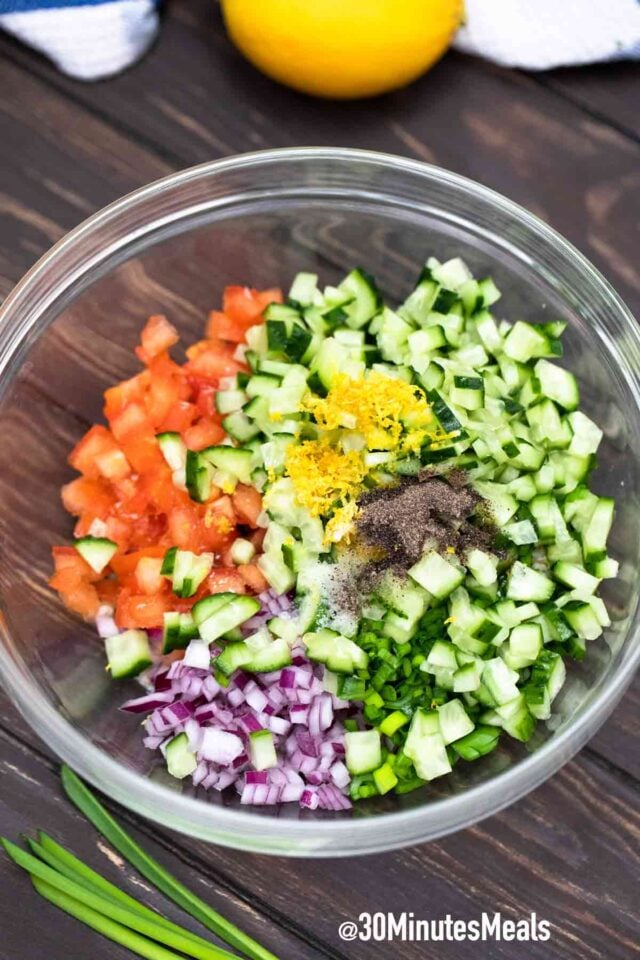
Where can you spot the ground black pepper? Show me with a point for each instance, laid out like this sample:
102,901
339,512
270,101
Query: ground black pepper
400,522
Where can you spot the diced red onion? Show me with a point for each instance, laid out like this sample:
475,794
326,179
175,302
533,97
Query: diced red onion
309,799
105,624
339,774
256,776
197,655
149,702
221,747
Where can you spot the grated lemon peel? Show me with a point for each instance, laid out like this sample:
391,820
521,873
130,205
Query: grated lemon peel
389,414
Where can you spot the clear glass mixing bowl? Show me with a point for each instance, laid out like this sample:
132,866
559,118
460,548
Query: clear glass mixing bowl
68,331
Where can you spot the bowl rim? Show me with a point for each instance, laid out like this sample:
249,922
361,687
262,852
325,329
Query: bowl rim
197,818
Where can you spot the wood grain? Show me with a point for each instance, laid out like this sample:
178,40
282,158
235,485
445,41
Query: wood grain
566,149
536,856
609,91
194,98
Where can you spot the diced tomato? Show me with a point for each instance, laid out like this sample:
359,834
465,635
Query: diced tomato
213,362
84,495
125,564
148,575
70,568
204,433
131,422
82,599
185,528
247,504
179,418
222,327
257,537
246,306
204,394
157,336
224,579
162,396
129,391
253,576
138,611
98,442
143,453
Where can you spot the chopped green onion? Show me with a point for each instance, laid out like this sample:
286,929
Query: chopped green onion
87,803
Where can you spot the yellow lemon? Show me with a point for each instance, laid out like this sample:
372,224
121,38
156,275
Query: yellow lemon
342,48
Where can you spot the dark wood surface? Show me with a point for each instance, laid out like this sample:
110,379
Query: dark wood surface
566,145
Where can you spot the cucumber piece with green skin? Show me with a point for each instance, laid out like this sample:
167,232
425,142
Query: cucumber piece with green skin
273,656
363,751
177,631
237,461
365,298
425,746
436,575
262,385
240,427
128,654
228,616
230,401
596,531
206,607
262,750
198,476
173,448
340,654
188,571
96,551
235,656
181,761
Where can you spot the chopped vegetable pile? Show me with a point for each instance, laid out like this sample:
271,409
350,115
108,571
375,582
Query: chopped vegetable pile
344,547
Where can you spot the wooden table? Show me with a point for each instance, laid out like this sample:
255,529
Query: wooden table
567,146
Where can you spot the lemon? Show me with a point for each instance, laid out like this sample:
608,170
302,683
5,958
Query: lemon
342,48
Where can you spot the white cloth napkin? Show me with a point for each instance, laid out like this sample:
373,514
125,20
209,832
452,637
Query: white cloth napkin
541,34
90,39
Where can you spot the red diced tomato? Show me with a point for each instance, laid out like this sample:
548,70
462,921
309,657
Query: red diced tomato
84,495
225,579
138,611
157,336
247,504
253,577
204,433
148,575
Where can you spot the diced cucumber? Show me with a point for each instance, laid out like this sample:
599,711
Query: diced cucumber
596,531
525,583
128,654
273,656
174,450
262,750
188,571
454,721
557,384
242,551
181,761
339,653
363,751
366,300
237,461
97,551
436,575
500,680
228,616
525,645
426,747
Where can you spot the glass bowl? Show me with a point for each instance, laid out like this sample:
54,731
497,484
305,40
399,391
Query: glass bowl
68,331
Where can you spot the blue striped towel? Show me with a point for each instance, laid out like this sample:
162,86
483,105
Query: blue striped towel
92,39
